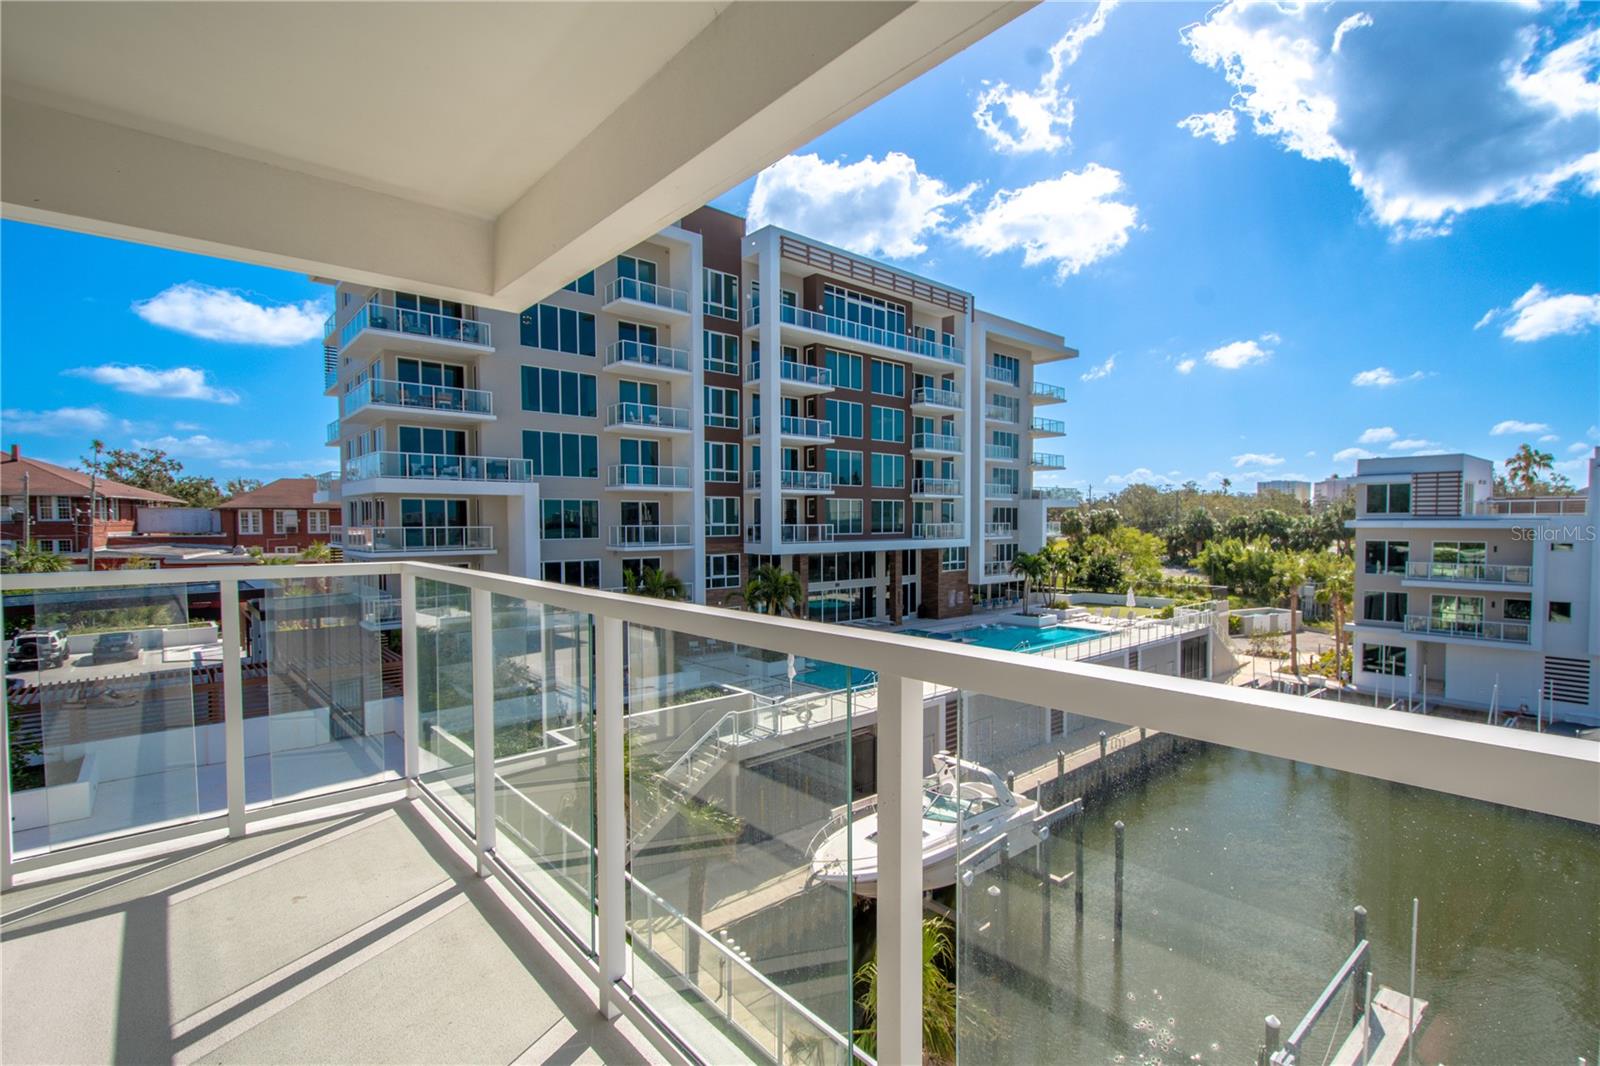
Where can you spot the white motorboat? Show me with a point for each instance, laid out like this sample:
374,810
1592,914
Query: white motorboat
960,796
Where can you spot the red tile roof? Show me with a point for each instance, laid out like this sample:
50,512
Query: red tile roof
48,479
285,492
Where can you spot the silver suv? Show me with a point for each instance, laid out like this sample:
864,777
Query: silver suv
38,649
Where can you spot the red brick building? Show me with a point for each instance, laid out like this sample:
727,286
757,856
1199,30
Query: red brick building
281,517
56,503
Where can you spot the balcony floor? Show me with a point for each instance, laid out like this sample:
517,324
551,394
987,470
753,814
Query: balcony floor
363,937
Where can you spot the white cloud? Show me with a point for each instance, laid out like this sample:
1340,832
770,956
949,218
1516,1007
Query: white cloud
1413,444
1185,365
1539,313
1347,455
875,207
1071,221
1095,373
1382,377
1038,120
296,465
1578,447
1549,438
200,446
186,427
56,422
1257,459
1238,354
179,383
1140,476
1377,435
223,315
1489,113
1572,469
1511,425
1220,126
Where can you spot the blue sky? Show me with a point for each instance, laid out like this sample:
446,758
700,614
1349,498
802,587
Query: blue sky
1390,244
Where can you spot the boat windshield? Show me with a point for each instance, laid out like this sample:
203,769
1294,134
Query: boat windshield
938,806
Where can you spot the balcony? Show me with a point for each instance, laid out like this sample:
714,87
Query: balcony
658,478
794,428
887,340
998,490
422,466
798,379
935,444
648,418
935,486
997,412
997,568
363,541
1535,505
646,300
314,836
1048,427
1042,393
1047,461
999,530
634,537
1488,630
935,401
1428,571
1001,375
332,435
1001,453
381,399
936,530
327,483
796,533
377,327
799,482
637,359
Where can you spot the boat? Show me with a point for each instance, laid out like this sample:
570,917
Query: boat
959,795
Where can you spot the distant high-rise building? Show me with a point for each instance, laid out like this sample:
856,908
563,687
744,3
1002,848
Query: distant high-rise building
1300,490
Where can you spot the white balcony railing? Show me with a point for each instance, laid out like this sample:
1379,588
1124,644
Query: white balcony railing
638,354
1493,631
793,426
430,467
332,436
1479,573
1048,461
1001,375
804,373
417,540
795,480
624,537
1046,393
1048,427
999,489
388,319
647,292
947,398
796,533
1004,453
413,396
859,331
999,529
628,415
1535,505
559,818
935,530
643,476
935,486
996,568
935,442
999,412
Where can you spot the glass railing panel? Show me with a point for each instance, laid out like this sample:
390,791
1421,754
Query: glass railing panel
738,760
320,717
544,755
115,711
1229,893
444,696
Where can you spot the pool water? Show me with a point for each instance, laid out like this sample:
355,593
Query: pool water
833,676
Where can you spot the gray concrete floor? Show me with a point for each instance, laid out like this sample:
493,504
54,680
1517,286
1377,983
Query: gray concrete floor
362,937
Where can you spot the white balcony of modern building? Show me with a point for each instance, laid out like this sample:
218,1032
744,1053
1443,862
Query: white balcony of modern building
936,486
935,444
652,478
364,541
795,482
648,418
796,428
414,471
1047,427
638,359
645,300
646,535
935,401
378,398
1045,393
808,325
378,327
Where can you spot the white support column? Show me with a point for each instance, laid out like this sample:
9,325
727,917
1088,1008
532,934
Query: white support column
610,820
769,273
410,713
974,468
483,723
233,705
899,870
695,577
6,876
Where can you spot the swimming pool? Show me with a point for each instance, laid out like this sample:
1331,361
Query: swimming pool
1005,638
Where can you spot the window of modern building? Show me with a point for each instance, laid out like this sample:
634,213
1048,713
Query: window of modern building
584,573
722,571
1383,659
1389,499
844,515
888,516
634,268
561,454
846,368
1387,556
722,461
844,465
844,566
558,392
1383,607
429,440
250,523
558,329
571,519
888,471
1463,611
721,352
859,309
952,560
722,407
722,516
1560,610
845,416
888,424
722,294
888,379
585,286
1518,609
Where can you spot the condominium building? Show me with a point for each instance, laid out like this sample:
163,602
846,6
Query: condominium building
1473,600
1300,490
705,402
1331,490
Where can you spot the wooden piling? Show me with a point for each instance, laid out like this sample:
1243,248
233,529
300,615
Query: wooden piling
1273,1041
1118,828
1077,863
1358,1008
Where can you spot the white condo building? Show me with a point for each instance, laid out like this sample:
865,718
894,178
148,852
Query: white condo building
1474,600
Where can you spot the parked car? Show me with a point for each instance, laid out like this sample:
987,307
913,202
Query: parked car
38,649
114,648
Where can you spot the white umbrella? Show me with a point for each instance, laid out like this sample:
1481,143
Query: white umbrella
1131,602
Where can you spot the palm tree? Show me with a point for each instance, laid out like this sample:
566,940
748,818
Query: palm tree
1227,483
1063,564
938,995
1288,575
1523,468
1033,569
1336,591
774,590
31,559
97,447
653,584
713,830
317,552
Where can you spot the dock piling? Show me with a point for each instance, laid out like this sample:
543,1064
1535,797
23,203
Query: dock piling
1118,828
1077,863
1361,976
1273,1041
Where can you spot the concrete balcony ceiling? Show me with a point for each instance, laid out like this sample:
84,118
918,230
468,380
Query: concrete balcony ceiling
414,146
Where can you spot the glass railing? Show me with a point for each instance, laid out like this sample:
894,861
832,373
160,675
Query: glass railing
935,442
630,475
995,412
429,466
1536,505
1126,866
1003,452
935,486
418,539
332,436
1047,461
646,416
415,324
647,292
1486,573
996,568
648,536
937,398
1046,393
935,530
999,488
806,533
1002,375
999,529
1049,425
1471,628
327,480
857,331
795,480
805,373
639,354
415,396
794,426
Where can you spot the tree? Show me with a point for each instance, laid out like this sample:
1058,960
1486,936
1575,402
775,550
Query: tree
1102,520
1523,468
1272,524
1101,570
774,590
1072,524
240,485
1335,590
1227,483
938,995
1288,575
713,830
31,559
317,551
1033,568
1191,534
653,584
147,468
97,448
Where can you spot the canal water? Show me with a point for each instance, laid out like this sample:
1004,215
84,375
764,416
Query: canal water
1241,874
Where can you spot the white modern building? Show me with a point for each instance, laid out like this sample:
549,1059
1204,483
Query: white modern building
1300,490
1331,490
1473,600
626,422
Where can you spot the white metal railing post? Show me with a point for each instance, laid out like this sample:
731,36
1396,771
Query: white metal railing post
233,705
6,881
610,819
483,723
899,869
410,712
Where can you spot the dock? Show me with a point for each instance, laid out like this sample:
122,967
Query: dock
1390,1031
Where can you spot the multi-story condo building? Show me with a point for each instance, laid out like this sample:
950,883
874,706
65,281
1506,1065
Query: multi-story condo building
707,401
1300,490
1331,490
1474,600
48,505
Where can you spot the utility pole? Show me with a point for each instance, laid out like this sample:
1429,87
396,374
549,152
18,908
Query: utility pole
27,513
97,447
